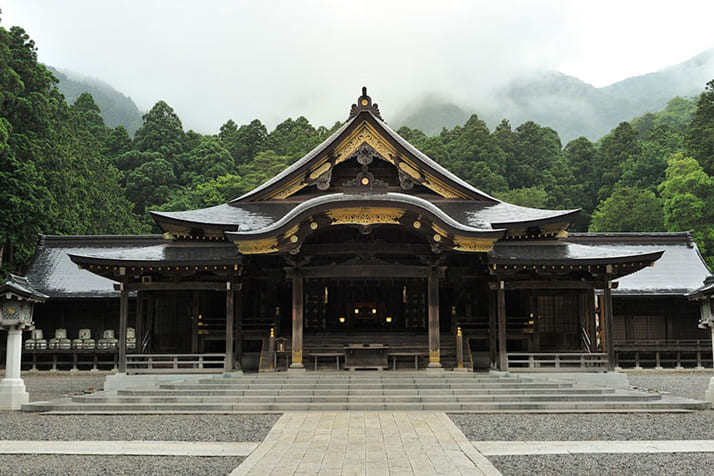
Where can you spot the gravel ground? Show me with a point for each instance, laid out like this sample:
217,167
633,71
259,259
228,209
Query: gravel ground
660,464
634,426
52,385
683,383
35,426
120,465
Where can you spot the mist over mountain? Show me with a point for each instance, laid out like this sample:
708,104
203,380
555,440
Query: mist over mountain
572,107
116,109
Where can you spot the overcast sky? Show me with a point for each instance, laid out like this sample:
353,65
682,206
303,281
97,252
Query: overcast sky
214,60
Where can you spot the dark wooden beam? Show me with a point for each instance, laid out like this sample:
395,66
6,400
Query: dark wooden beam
367,271
433,310
123,324
381,248
175,286
536,284
502,331
230,299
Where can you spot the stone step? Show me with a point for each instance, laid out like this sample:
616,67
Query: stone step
361,399
389,406
337,386
357,391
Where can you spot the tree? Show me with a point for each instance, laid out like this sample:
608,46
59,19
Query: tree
615,149
688,197
700,135
534,197
207,161
629,209
245,142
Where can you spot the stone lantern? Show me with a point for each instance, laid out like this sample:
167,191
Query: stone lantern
17,299
705,296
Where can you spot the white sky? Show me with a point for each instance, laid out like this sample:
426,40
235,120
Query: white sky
214,60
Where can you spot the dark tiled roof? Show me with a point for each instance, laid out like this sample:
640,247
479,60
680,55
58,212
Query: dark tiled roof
339,200
500,214
559,252
20,286
247,216
54,274
168,253
681,269
705,291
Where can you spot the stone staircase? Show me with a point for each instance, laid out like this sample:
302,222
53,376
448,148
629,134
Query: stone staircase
393,391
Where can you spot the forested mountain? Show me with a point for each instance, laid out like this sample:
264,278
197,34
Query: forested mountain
64,171
117,109
569,105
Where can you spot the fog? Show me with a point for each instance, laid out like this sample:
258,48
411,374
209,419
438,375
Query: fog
215,60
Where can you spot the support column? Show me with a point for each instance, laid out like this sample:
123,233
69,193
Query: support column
298,297
12,388
139,324
433,306
502,331
492,330
195,322
238,327
606,311
590,311
123,323
230,297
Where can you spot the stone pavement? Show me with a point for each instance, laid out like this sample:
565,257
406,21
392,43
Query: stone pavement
361,443
128,448
502,448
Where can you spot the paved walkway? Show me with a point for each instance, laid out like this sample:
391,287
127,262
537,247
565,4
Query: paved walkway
501,448
360,443
131,448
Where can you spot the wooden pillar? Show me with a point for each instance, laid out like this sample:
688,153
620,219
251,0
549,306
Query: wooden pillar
123,320
606,311
195,323
502,331
433,306
238,326
139,322
590,316
230,296
492,330
297,321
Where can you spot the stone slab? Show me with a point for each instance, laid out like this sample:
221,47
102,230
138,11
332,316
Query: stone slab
503,448
132,448
360,443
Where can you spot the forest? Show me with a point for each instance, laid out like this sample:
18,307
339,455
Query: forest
64,171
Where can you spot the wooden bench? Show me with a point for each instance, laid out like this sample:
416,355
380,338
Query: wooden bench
416,356
316,355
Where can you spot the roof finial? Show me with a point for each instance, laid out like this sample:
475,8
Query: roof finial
364,103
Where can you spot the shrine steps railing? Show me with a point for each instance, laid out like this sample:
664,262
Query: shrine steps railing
557,361
174,363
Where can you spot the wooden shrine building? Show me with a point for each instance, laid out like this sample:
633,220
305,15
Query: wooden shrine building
365,240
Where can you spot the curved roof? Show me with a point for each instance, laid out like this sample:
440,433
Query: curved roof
338,201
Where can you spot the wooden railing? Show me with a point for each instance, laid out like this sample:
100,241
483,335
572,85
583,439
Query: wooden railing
556,361
174,363
661,353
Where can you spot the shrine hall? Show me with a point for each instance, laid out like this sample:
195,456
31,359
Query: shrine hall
365,253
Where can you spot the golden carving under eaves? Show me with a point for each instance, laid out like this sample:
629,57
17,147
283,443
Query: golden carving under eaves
477,245
255,247
365,216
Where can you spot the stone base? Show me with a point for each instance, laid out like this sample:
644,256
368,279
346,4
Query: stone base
232,373
296,368
13,394
120,380
709,393
462,369
434,367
